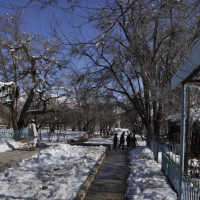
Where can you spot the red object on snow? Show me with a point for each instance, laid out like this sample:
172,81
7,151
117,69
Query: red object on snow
44,187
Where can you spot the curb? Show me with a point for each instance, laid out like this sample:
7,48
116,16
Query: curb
83,191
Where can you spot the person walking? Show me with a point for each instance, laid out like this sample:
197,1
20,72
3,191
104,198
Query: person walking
122,140
133,141
32,135
115,139
128,140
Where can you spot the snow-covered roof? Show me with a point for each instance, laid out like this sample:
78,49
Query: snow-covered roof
8,84
174,118
194,115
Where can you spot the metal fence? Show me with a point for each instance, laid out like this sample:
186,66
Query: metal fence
6,133
190,190
17,135
170,170
21,134
170,167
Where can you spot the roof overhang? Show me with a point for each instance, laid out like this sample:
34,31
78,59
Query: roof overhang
188,71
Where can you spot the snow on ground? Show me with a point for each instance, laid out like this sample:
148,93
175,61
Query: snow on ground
62,168
100,140
7,144
59,136
146,180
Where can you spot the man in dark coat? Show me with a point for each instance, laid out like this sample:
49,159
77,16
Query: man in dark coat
115,139
128,140
122,140
133,141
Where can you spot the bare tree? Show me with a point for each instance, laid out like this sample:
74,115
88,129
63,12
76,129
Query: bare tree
33,64
139,46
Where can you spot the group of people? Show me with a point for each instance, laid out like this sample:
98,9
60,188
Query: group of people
130,140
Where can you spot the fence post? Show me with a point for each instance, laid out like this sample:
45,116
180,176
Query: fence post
182,141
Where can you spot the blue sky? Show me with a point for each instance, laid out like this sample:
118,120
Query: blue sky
39,22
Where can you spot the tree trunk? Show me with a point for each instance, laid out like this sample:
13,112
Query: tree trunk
157,121
25,109
13,108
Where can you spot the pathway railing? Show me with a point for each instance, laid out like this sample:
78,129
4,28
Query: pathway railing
170,167
190,189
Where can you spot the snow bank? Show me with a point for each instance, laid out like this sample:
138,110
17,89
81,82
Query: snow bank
100,140
9,144
146,181
63,169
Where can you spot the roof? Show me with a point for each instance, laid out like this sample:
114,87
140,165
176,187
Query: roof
191,67
8,84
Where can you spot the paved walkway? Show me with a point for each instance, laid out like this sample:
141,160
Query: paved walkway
109,183
12,158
